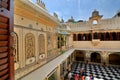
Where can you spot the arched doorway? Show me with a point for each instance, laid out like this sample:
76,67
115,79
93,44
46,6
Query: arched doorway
107,36
79,56
101,36
95,57
114,59
89,36
79,37
114,36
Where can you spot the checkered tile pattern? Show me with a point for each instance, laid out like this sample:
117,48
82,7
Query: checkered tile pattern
99,71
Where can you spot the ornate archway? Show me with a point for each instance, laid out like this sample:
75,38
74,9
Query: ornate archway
114,59
80,56
95,57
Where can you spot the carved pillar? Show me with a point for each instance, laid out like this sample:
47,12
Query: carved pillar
76,37
105,57
92,33
81,37
58,73
86,37
87,56
75,56
104,36
98,35
119,35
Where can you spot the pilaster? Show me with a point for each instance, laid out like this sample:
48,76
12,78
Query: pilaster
87,56
58,73
105,57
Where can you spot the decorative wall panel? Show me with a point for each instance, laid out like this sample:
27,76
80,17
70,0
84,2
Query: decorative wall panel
29,45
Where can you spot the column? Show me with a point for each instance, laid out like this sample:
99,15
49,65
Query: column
87,56
76,37
73,54
98,35
81,37
58,73
104,57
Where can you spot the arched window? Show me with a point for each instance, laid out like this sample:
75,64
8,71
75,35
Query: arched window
29,45
101,36
95,57
80,56
41,44
50,40
95,35
79,37
95,22
119,35
114,59
89,36
107,36
114,36
84,37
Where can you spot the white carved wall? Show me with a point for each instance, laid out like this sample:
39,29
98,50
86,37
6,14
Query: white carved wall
33,40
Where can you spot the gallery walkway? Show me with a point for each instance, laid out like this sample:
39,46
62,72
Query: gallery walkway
42,72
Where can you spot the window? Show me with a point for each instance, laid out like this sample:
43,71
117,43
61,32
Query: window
95,22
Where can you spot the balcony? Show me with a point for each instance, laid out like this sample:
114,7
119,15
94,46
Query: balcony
96,45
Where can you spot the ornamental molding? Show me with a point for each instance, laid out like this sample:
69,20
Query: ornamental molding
95,42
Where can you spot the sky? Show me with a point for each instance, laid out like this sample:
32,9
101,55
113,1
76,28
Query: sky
82,9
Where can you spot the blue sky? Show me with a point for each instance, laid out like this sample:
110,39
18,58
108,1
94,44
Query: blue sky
82,9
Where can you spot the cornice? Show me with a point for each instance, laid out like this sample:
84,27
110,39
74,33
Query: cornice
41,10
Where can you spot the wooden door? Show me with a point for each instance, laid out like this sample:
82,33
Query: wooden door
6,40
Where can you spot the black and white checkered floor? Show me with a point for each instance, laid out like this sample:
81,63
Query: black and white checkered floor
99,71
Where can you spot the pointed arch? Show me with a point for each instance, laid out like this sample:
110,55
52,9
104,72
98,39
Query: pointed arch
95,57
114,59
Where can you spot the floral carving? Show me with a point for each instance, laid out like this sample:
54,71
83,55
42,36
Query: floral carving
49,40
15,46
41,44
29,45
